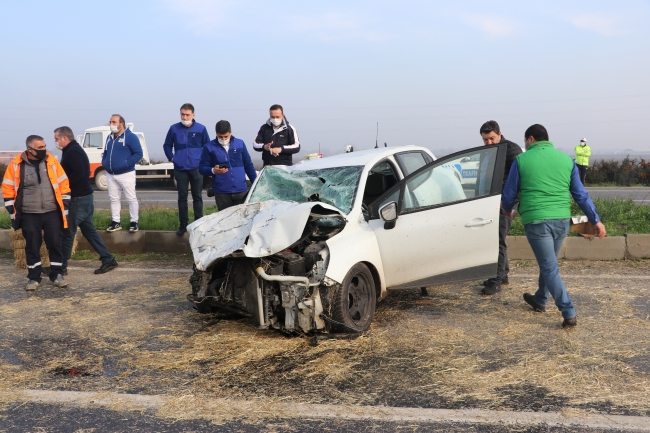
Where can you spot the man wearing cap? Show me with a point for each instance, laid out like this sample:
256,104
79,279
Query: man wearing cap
582,158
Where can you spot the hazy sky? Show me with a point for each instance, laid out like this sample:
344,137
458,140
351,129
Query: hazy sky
430,72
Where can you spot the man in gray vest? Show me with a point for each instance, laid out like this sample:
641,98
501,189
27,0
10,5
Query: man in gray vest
37,194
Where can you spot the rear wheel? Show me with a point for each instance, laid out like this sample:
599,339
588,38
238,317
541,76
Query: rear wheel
100,180
355,300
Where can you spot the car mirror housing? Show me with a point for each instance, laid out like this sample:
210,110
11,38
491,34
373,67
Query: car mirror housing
388,213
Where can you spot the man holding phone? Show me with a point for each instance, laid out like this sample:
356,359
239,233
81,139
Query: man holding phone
277,139
227,161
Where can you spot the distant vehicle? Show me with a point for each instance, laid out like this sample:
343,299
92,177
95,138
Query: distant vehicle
317,244
467,169
7,155
93,142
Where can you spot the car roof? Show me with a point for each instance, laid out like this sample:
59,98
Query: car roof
360,158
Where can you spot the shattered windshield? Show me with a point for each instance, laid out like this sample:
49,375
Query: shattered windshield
335,186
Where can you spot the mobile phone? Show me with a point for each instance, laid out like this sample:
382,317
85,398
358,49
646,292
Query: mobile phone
223,166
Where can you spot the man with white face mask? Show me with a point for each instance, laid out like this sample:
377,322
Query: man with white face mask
121,153
226,159
183,147
583,152
277,139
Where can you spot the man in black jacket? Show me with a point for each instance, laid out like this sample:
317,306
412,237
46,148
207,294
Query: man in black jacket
277,139
80,213
491,134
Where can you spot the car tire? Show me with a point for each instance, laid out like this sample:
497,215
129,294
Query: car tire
354,301
100,180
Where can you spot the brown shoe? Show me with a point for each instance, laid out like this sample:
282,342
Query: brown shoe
530,300
570,323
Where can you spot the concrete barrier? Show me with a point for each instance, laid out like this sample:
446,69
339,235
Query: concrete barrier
638,246
167,242
633,246
123,242
579,248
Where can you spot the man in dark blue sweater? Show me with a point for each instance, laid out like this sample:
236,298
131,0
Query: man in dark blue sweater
80,212
183,146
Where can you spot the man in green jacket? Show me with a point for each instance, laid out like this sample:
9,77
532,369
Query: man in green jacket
543,178
583,152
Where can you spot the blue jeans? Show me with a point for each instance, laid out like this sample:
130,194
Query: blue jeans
195,181
545,239
80,214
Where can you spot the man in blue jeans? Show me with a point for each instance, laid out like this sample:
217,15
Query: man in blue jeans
80,212
543,177
183,146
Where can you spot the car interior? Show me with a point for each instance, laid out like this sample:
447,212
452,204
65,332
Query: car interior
380,179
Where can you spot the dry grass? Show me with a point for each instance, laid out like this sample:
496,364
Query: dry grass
457,349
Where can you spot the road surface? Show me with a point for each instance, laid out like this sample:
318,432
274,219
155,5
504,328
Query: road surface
167,196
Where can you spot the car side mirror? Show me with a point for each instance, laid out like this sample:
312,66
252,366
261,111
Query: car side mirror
388,213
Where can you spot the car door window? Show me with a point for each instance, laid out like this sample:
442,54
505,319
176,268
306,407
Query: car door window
459,177
380,179
93,139
467,176
411,162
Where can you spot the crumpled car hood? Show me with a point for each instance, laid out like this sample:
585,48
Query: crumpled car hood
270,226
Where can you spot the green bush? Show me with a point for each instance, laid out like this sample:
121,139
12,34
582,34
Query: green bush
629,171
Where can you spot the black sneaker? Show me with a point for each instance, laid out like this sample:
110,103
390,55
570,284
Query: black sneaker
133,227
105,267
181,230
530,300
115,226
504,281
570,323
491,289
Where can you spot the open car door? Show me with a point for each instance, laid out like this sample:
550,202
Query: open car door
440,225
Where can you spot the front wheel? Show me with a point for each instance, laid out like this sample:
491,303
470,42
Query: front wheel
100,180
355,300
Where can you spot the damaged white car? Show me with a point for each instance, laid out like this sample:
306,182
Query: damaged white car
317,244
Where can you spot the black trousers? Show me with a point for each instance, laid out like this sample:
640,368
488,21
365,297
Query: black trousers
195,181
227,200
503,268
51,224
582,170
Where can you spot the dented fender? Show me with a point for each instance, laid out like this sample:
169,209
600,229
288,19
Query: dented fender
258,229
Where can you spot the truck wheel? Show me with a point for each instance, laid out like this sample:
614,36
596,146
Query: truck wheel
100,180
354,301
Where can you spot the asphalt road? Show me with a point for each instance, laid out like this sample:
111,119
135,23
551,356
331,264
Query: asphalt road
151,195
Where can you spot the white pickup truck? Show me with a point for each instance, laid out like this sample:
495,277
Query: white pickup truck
93,142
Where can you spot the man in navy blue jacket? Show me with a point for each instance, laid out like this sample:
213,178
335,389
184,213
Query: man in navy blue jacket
277,139
80,212
226,159
183,146
121,153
